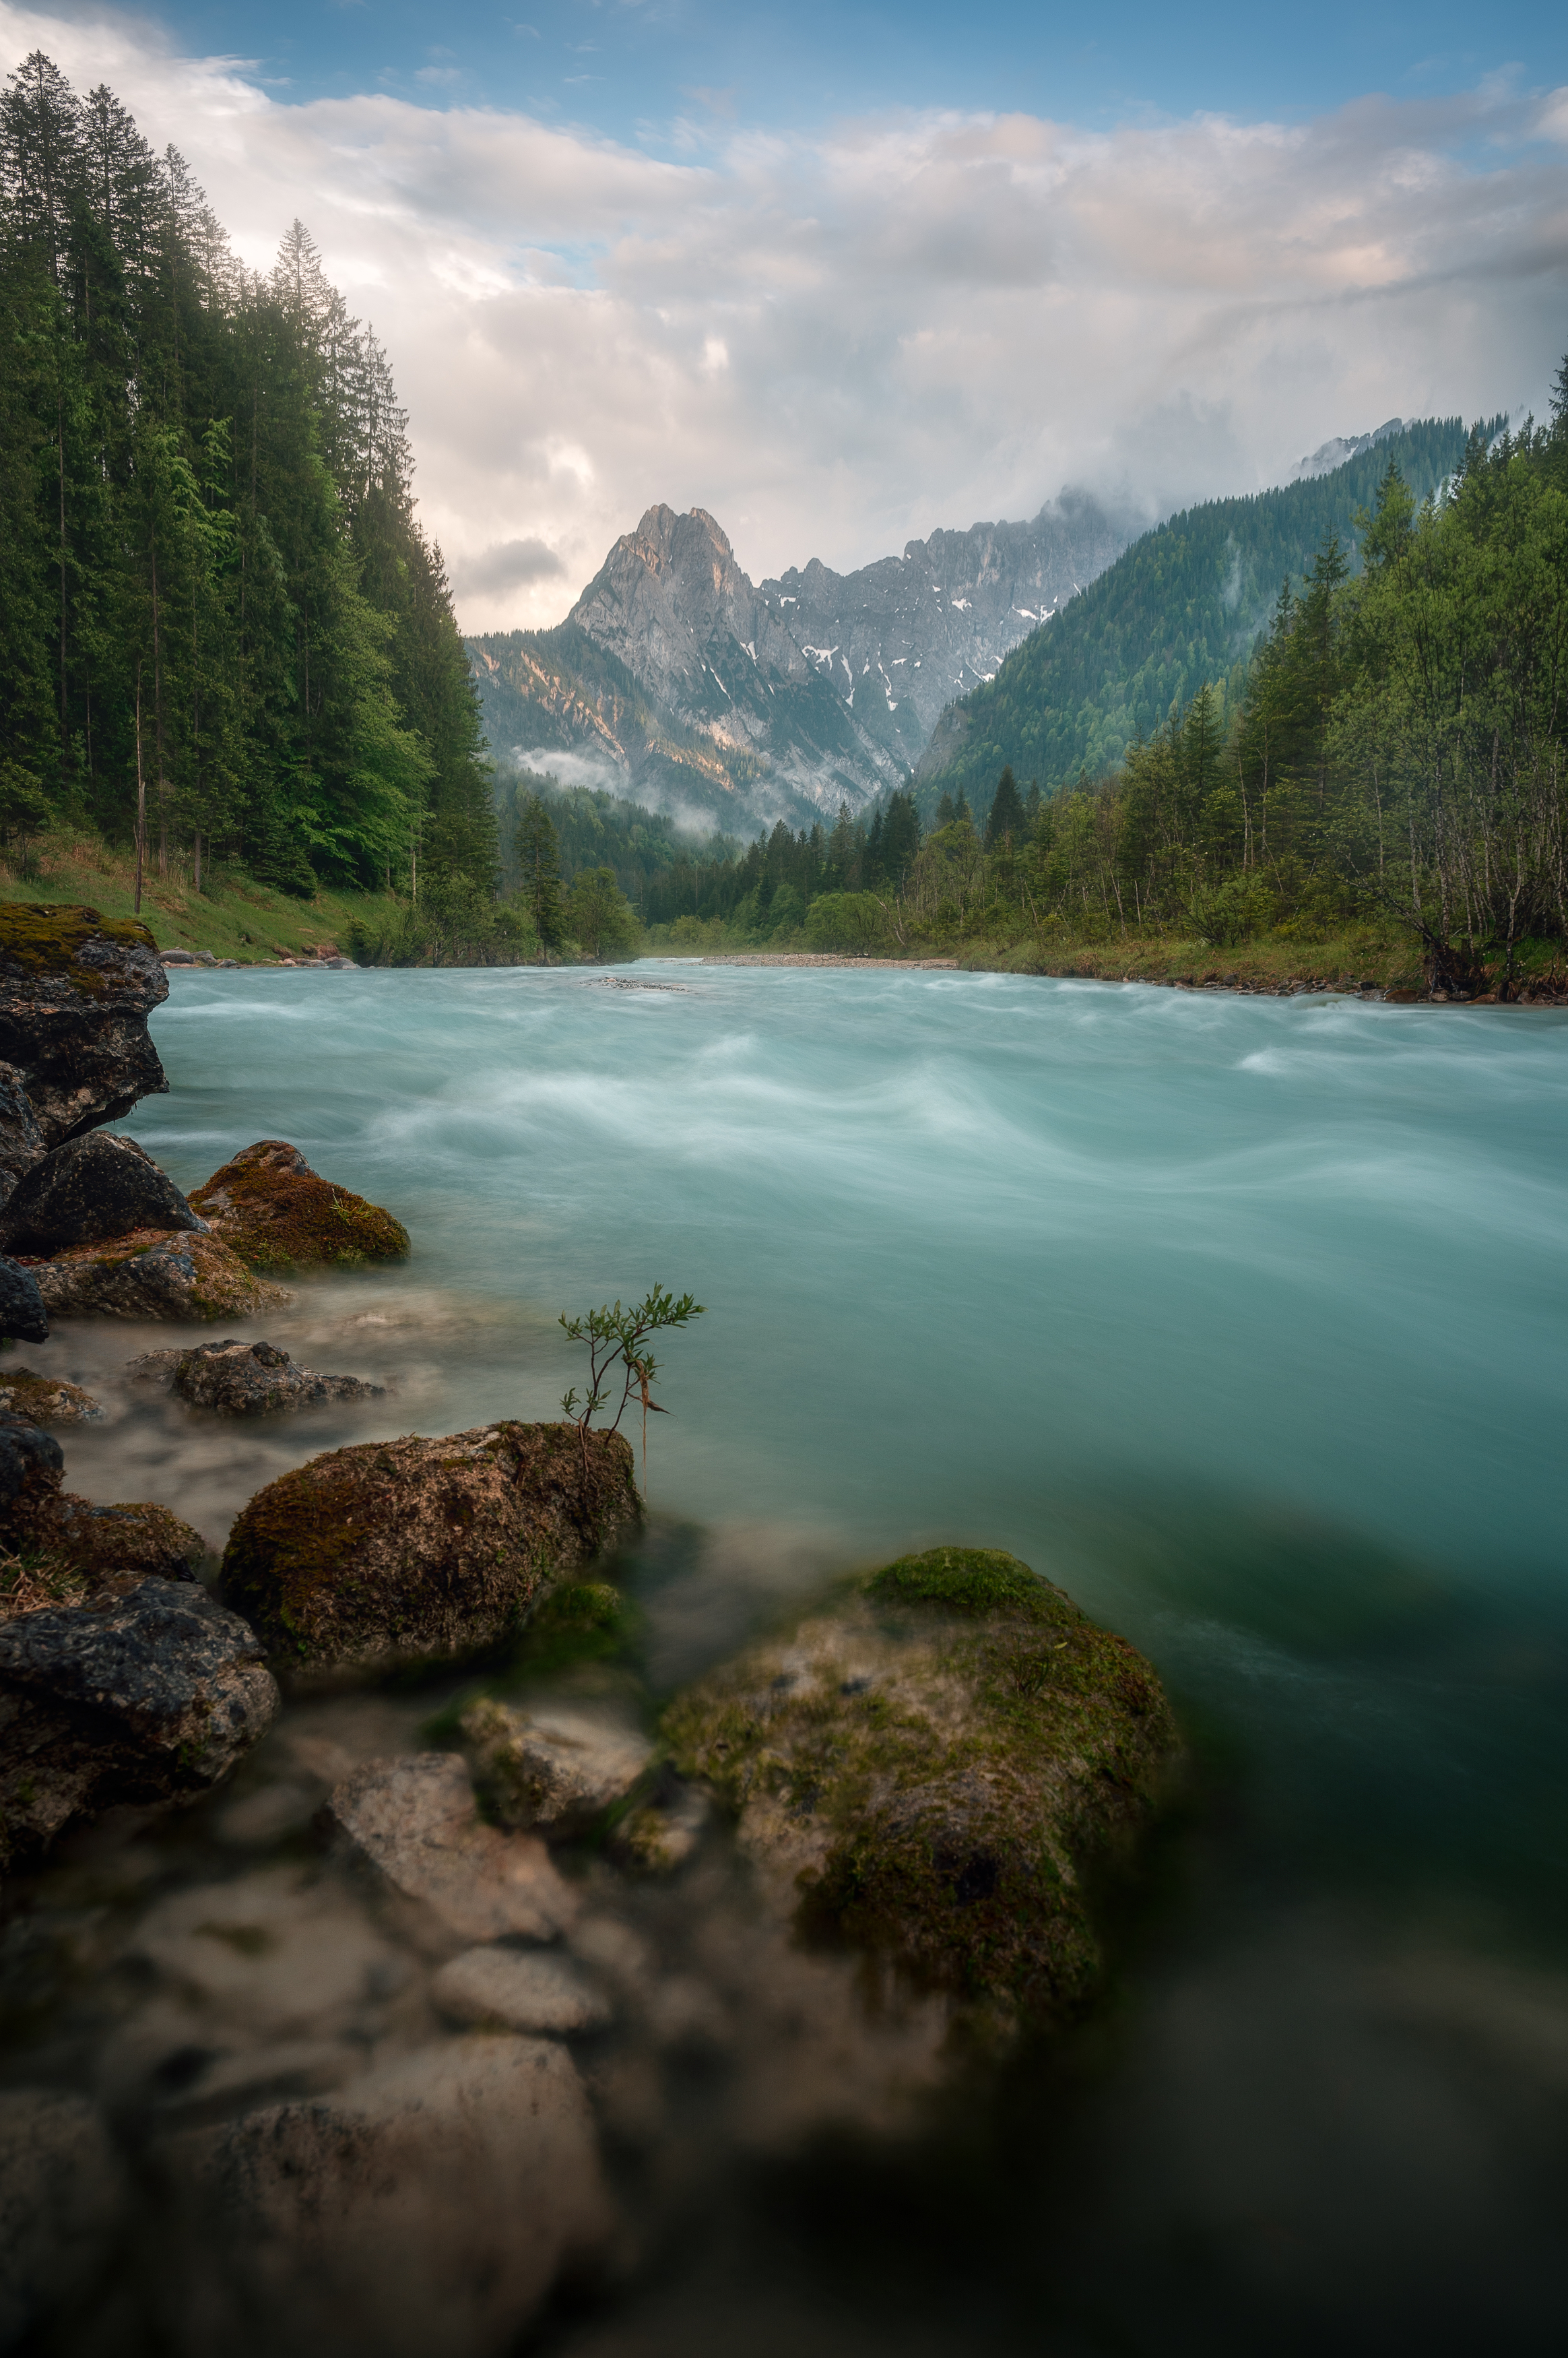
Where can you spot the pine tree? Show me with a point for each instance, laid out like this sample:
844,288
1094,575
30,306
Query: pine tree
1006,823
538,860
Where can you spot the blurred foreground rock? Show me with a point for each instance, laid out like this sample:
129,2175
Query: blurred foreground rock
424,2213
150,1696
413,1826
424,1548
277,1213
555,1767
61,2197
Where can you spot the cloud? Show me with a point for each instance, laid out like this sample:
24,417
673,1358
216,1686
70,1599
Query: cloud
505,564
906,321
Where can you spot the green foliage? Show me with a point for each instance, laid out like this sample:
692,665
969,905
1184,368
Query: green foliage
846,921
1181,607
538,864
598,916
618,1353
969,1581
213,569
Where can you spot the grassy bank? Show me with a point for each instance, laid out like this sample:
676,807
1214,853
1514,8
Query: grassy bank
232,915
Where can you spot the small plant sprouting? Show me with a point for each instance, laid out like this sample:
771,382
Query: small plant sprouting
617,1352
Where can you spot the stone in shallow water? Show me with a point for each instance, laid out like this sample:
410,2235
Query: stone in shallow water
245,1379
45,1400
278,1214
89,1188
151,1273
414,1824
538,1992
558,1768
424,2213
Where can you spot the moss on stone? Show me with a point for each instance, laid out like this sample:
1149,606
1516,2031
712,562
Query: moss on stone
945,1768
47,1400
278,1214
41,938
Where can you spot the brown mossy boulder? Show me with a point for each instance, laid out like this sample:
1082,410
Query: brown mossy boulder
76,990
946,1767
418,1548
45,1400
269,1206
151,1273
77,1542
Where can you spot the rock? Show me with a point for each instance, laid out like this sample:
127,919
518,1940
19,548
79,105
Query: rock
248,1378
277,1213
62,2194
45,1400
520,1991
414,1824
81,1539
426,2210
153,1273
946,1769
662,1835
32,1467
149,1696
21,1139
76,990
22,1312
558,1768
92,1187
424,1548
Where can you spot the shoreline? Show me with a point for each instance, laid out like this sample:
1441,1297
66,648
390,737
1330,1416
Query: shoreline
1289,986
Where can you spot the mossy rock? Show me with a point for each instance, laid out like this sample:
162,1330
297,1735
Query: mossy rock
425,1550
948,1767
151,1273
272,1209
47,1400
44,937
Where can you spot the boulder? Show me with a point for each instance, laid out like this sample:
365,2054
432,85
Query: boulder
76,990
22,1312
21,1139
32,1467
151,1696
247,1378
426,2209
92,1542
151,1273
277,1213
414,1827
945,1768
520,1989
424,1548
92,1187
45,1400
62,2193
556,1768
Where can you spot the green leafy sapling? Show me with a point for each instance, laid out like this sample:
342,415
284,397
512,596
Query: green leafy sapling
618,1353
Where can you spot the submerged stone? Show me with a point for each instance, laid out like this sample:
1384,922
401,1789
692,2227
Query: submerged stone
45,1400
76,990
277,1213
555,1767
147,1696
944,1767
414,1825
424,1548
531,1990
153,1273
247,1378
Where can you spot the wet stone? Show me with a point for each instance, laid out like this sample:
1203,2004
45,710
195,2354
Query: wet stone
240,1379
519,1990
414,1825
555,1769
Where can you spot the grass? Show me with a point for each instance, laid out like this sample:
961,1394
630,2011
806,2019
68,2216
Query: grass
232,915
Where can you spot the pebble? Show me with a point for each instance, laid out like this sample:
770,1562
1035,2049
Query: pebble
536,1992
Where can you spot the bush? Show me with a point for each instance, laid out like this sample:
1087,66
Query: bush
598,916
846,921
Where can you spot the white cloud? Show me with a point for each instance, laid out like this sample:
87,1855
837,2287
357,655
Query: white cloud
905,323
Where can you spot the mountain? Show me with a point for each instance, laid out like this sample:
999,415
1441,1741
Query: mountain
676,678
1183,605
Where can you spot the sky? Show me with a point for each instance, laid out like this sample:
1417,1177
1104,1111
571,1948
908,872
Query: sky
842,275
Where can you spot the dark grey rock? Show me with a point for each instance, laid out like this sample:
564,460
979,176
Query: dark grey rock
21,1139
150,1696
89,1189
76,990
32,1465
256,1379
22,1312
62,2193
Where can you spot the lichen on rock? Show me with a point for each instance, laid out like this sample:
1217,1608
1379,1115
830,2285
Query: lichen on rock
277,1213
944,1767
151,1273
45,1400
424,1548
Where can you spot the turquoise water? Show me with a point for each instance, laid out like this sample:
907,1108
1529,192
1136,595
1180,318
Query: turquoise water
1242,1318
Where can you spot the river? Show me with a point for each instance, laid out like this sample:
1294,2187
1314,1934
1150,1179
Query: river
1244,1319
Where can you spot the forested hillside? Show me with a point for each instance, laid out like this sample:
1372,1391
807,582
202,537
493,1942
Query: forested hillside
214,582
1181,607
